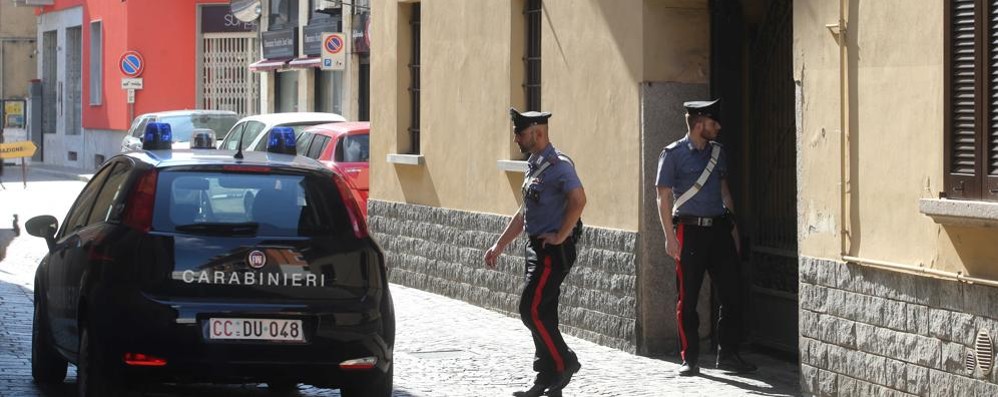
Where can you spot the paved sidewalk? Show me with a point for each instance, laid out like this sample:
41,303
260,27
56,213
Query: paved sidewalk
444,348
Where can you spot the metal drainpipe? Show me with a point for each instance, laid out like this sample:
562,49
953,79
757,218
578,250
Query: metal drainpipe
844,182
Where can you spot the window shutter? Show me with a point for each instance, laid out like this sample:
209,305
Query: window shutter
989,153
962,123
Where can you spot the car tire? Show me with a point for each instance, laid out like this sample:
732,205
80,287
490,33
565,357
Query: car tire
47,366
377,385
93,371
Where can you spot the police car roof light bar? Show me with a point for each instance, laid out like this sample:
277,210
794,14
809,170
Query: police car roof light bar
158,136
282,140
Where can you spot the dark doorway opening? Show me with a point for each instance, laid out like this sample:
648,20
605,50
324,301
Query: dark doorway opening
752,73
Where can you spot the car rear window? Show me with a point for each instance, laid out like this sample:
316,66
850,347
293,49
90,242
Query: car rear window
183,126
238,203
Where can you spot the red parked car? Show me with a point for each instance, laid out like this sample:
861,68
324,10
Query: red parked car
343,147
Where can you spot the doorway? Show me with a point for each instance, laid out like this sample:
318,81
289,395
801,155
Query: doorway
752,73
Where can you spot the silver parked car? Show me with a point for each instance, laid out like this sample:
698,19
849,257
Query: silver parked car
182,124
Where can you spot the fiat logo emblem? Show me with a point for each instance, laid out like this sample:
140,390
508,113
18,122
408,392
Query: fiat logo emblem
257,259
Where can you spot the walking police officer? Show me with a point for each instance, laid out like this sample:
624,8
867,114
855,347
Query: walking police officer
695,207
553,200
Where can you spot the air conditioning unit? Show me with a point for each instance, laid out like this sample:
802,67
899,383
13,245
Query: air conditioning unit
327,6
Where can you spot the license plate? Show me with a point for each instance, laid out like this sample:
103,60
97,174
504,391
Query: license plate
255,329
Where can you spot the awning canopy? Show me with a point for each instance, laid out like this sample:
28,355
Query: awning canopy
266,65
304,63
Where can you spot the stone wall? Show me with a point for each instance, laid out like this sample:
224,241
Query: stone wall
440,250
866,332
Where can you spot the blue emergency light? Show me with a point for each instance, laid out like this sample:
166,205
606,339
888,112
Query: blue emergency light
282,140
158,136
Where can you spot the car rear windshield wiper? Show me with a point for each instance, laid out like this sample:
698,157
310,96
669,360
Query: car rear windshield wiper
217,228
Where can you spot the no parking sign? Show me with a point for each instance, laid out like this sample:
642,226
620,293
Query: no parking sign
131,64
334,51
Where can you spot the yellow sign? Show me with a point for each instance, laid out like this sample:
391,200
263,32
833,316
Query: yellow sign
17,149
14,112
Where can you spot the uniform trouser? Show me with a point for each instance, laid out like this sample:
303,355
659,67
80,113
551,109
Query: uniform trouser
709,249
546,269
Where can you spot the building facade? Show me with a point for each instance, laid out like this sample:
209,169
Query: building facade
17,50
85,110
614,74
896,200
291,76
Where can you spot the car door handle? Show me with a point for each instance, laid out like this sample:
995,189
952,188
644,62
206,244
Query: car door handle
353,171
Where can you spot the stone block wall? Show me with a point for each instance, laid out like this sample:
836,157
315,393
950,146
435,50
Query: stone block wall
871,332
440,250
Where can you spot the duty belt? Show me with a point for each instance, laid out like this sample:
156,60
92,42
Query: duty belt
698,221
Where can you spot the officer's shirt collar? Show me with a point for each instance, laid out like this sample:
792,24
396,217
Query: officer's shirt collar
689,144
536,159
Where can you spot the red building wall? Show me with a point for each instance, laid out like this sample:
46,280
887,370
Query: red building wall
164,32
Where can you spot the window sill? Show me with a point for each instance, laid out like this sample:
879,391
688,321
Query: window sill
960,212
406,159
512,166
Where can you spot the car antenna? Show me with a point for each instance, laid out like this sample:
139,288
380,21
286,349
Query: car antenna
239,149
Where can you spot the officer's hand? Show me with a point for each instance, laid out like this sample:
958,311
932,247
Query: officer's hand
492,256
672,246
551,239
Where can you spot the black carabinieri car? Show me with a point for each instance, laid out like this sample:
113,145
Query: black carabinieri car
213,266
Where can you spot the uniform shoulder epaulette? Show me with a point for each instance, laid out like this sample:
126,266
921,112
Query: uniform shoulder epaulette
671,146
559,156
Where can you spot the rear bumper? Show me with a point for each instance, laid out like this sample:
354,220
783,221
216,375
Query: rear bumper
178,332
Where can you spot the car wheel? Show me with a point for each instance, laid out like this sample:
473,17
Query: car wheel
282,387
377,385
93,371
47,366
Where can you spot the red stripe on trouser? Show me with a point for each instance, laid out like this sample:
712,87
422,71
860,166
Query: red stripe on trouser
679,305
559,364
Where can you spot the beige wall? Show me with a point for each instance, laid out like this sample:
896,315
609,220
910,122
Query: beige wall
594,55
896,110
17,46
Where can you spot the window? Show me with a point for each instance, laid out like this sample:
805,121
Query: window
329,91
283,14
111,194
96,62
80,213
287,91
971,145
353,149
318,146
324,14
532,58
414,22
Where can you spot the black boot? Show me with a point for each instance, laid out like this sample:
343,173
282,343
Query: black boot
536,391
541,383
564,377
689,369
733,362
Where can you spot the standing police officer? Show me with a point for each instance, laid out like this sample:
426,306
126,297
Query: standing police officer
553,200
694,206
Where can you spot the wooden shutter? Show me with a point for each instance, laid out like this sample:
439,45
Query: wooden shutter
962,85
989,145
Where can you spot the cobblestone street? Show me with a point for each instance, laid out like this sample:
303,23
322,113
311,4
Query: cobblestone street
444,347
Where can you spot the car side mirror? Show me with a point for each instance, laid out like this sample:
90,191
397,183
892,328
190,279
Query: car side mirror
43,226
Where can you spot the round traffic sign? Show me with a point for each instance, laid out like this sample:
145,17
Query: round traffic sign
333,44
131,64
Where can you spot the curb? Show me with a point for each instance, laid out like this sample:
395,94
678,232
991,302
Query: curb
63,174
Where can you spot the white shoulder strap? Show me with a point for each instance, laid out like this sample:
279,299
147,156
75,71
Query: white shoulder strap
693,190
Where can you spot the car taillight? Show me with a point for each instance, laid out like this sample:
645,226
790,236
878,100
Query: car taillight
143,360
353,209
138,213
